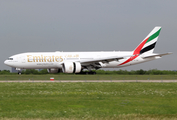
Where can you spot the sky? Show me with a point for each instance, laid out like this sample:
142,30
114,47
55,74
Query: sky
88,25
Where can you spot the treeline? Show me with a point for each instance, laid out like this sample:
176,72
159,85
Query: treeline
138,72
5,72
27,71
104,72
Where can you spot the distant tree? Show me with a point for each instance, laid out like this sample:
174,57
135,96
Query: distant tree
30,71
140,72
44,71
5,72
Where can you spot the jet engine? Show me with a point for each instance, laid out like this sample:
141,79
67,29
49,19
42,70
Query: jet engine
71,67
53,70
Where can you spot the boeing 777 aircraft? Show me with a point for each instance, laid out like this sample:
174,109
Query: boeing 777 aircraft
75,62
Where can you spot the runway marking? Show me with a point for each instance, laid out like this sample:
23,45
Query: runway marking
75,81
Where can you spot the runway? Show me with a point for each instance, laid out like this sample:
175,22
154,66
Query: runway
76,81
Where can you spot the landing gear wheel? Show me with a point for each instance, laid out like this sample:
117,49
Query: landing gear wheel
87,73
19,73
92,73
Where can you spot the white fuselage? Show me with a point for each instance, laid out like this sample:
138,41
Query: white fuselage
45,60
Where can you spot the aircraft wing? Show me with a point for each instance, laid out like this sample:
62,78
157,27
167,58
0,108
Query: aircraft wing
156,55
104,60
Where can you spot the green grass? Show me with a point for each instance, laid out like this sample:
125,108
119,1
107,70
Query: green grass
88,101
88,77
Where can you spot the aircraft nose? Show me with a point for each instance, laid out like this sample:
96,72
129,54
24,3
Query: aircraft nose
5,62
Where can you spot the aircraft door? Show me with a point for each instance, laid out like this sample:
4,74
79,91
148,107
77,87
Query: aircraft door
23,59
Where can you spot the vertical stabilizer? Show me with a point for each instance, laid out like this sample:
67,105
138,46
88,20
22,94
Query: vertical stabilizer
148,44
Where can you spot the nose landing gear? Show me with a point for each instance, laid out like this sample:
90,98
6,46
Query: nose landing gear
19,71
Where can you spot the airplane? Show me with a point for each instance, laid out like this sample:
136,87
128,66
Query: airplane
76,62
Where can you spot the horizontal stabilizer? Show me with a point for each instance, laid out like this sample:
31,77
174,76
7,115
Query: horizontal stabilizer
157,55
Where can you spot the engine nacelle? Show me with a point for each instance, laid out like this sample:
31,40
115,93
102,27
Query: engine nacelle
71,67
53,70
77,67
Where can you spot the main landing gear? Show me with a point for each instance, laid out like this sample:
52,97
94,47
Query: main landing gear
88,72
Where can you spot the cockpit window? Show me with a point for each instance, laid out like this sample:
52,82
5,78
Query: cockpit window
10,58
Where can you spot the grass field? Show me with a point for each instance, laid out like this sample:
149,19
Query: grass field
99,101
88,77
